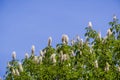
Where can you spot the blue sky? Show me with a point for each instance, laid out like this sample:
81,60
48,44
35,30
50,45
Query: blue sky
27,22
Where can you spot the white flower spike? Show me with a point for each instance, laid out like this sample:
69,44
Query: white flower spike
109,32
17,72
40,59
13,71
90,24
20,67
33,50
53,58
65,39
35,59
96,64
81,42
78,38
49,41
65,57
14,55
114,17
41,53
72,42
107,67
8,65
99,35
119,68
26,55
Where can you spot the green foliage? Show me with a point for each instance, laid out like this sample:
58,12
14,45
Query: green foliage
96,58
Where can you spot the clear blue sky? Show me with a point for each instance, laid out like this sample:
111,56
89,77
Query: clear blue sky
27,22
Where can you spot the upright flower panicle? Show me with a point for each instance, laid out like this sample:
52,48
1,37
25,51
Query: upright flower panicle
107,67
53,59
65,57
104,40
41,53
49,41
86,41
78,38
91,50
40,59
118,68
65,39
96,64
72,53
109,32
26,55
44,52
81,42
61,56
72,42
99,35
17,72
33,50
20,67
35,59
114,18
13,71
14,55
90,24
8,65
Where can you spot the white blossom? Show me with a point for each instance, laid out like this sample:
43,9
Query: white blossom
8,65
80,52
65,57
104,39
49,41
73,54
109,32
20,67
44,52
118,68
26,55
91,50
40,59
13,71
35,59
78,38
33,50
54,60
107,67
64,42
52,57
14,55
65,39
81,42
90,24
86,41
96,64
72,42
17,72
41,53
114,17
61,55
99,35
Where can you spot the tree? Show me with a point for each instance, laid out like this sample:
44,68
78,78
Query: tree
96,58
